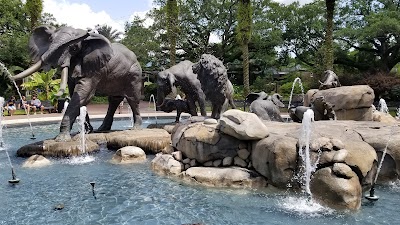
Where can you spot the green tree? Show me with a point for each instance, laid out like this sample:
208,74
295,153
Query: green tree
44,83
244,17
34,9
330,9
172,14
108,32
143,42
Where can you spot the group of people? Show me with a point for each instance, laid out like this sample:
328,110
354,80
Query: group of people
35,104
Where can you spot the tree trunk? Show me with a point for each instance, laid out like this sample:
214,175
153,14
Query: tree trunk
246,83
243,36
172,29
330,8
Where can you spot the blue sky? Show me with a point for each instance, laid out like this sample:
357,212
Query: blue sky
88,13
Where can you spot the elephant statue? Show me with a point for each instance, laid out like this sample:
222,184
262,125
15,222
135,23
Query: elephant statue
322,110
214,81
266,107
181,75
331,80
179,105
89,63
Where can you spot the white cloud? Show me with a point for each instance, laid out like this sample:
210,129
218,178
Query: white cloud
79,15
147,22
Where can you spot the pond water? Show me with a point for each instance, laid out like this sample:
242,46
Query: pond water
133,194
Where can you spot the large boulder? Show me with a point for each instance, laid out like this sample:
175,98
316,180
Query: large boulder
204,142
129,154
166,164
275,158
53,148
36,161
337,186
351,102
150,140
242,125
224,177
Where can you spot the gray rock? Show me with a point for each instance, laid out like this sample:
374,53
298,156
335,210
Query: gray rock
224,177
217,163
227,161
243,154
36,161
186,161
193,163
166,164
210,121
242,125
237,161
208,164
177,155
129,154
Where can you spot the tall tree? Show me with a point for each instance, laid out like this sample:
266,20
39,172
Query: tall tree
244,17
172,28
328,51
34,9
108,32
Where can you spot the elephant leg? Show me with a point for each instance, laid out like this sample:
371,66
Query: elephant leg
83,92
113,103
134,104
192,106
216,111
202,104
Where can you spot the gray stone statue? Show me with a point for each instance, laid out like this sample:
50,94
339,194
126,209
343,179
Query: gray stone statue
322,110
181,75
330,80
266,107
180,105
89,63
215,83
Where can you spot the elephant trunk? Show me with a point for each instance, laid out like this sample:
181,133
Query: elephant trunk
28,71
64,80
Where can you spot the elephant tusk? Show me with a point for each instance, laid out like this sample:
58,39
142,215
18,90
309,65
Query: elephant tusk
64,80
28,71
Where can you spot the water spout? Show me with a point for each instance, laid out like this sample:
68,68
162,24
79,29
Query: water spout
154,105
382,106
297,80
20,97
304,150
82,120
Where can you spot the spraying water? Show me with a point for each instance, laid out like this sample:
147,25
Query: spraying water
304,149
20,97
131,115
398,113
297,80
382,106
82,120
154,105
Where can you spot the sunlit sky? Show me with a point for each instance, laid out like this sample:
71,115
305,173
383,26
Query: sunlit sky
88,13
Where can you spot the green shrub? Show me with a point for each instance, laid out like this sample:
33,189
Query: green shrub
99,99
238,92
262,84
286,88
149,90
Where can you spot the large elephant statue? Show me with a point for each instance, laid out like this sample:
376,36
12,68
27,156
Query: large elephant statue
181,75
89,63
331,80
322,110
266,107
214,81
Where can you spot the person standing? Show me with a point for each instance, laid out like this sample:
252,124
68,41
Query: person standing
36,104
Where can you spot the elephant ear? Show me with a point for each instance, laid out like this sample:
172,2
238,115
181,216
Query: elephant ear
40,41
171,79
96,52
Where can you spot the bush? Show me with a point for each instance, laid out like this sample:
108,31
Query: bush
238,92
149,90
262,84
286,89
99,99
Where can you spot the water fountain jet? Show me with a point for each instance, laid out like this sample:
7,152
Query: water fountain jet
297,80
383,106
20,97
82,120
154,105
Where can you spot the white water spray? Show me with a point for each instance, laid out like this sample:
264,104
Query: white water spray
20,97
304,149
382,106
154,105
297,80
82,120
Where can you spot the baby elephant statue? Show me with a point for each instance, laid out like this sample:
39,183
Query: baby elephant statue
322,110
213,77
266,107
331,80
179,105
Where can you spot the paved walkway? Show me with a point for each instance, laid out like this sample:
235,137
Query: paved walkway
95,111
